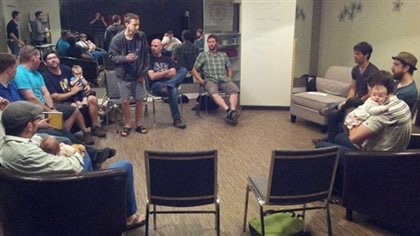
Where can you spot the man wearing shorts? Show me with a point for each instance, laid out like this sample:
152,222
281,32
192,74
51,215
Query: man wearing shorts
31,86
213,71
129,51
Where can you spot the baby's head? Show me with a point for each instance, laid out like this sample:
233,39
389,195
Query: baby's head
379,94
50,145
77,71
381,86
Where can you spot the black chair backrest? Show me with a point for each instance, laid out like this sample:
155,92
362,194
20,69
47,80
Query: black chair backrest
111,84
383,185
299,176
92,203
90,67
181,178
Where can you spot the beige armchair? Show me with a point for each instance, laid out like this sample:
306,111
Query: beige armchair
331,89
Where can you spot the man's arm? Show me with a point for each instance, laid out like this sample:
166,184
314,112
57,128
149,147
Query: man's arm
229,72
197,76
61,97
352,91
153,75
29,95
359,134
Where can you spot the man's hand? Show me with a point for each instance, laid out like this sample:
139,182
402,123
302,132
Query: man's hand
131,57
43,124
75,89
3,103
86,91
141,79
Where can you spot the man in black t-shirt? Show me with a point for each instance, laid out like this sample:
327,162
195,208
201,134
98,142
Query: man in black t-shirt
357,94
164,80
13,40
57,80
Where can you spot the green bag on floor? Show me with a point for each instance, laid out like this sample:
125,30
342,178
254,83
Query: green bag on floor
277,224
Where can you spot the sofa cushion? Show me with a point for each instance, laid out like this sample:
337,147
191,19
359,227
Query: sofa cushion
315,100
333,87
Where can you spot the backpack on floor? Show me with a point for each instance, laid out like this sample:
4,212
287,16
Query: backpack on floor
278,224
204,100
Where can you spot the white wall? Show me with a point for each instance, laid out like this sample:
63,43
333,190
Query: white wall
388,31
267,35
52,7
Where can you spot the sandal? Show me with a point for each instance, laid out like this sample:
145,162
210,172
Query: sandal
137,222
141,129
125,131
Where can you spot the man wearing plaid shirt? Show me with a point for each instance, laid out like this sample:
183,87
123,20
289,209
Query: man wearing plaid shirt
216,73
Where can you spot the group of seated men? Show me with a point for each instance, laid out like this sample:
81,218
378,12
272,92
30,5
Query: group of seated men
135,64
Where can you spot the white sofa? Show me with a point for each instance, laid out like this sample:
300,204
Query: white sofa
332,88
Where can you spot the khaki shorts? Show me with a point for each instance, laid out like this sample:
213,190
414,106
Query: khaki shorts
131,88
225,87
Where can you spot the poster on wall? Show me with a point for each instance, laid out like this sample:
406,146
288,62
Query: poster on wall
218,15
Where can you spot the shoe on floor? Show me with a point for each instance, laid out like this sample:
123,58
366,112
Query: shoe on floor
179,123
232,117
88,139
98,132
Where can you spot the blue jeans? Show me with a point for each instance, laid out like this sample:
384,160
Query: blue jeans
127,166
172,85
14,47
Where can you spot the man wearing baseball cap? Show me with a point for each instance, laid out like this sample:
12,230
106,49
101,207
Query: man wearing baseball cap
403,68
21,153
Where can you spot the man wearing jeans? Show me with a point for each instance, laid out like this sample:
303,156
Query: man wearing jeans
164,80
20,152
217,72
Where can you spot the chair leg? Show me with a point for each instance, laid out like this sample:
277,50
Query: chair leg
154,112
147,218
217,218
349,214
329,219
262,221
154,217
246,206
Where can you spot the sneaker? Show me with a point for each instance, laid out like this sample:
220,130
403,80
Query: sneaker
88,139
179,123
315,141
101,156
98,132
232,118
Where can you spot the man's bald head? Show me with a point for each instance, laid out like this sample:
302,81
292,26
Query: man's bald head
156,47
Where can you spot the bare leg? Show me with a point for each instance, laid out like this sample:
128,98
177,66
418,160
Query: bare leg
93,110
233,100
139,112
125,106
80,121
219,101
68,123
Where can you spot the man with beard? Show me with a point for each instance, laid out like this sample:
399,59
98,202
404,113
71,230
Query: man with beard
129,50
403,68
357,94
213,71
57,79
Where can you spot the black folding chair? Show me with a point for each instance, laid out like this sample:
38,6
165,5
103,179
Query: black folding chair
296,177
181,179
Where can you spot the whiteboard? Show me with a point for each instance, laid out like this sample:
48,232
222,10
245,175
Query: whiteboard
267,32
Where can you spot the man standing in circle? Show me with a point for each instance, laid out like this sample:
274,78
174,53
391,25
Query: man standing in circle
129,51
